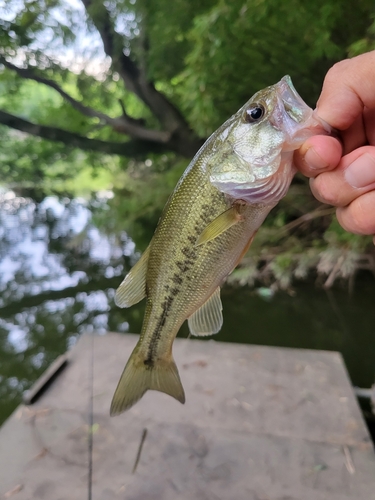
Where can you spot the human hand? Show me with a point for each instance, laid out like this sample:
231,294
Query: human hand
343,174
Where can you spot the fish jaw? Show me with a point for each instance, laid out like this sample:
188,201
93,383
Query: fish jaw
268,191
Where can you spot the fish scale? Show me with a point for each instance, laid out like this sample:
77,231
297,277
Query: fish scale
206,227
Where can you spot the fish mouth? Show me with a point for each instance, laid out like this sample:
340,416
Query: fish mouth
293,103
294,117
291,111
297,108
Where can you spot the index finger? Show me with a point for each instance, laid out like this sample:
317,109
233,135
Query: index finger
347,89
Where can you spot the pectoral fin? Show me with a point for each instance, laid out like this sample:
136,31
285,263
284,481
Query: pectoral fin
223,222
208,319
133,288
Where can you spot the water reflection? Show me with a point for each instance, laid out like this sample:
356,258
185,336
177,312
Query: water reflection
57,278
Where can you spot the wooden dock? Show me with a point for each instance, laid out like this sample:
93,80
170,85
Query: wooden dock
260,423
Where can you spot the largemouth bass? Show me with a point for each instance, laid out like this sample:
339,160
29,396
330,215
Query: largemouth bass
207,226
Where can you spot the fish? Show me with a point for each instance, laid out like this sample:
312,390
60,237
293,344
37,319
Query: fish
239,174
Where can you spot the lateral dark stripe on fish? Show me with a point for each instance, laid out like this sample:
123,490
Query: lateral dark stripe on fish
191,256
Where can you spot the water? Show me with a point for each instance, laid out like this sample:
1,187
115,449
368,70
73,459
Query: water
58,273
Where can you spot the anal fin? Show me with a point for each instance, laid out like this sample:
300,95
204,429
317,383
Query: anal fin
208,319
133,288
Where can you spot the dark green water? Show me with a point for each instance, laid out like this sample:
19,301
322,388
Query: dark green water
58,274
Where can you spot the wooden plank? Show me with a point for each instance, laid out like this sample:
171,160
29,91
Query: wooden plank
260,423
45,380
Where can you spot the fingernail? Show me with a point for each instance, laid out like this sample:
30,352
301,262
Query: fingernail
361,172
314,160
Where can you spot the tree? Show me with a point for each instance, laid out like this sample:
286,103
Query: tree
149,80
167,67
26,55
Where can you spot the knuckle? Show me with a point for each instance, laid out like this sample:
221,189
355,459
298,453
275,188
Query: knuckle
358,216
363,220
324,191
338,70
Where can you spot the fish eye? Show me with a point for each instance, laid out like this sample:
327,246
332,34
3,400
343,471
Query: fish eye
255,113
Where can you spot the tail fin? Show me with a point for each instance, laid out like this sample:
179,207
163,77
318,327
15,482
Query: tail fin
137,378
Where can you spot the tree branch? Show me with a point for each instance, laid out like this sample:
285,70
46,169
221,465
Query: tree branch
123,124
183,140
135,148
138,121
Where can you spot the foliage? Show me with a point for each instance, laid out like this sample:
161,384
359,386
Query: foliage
241,46
140,194
300,240
366,43
130,88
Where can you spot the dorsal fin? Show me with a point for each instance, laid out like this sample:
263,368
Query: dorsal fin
208,319
133,288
